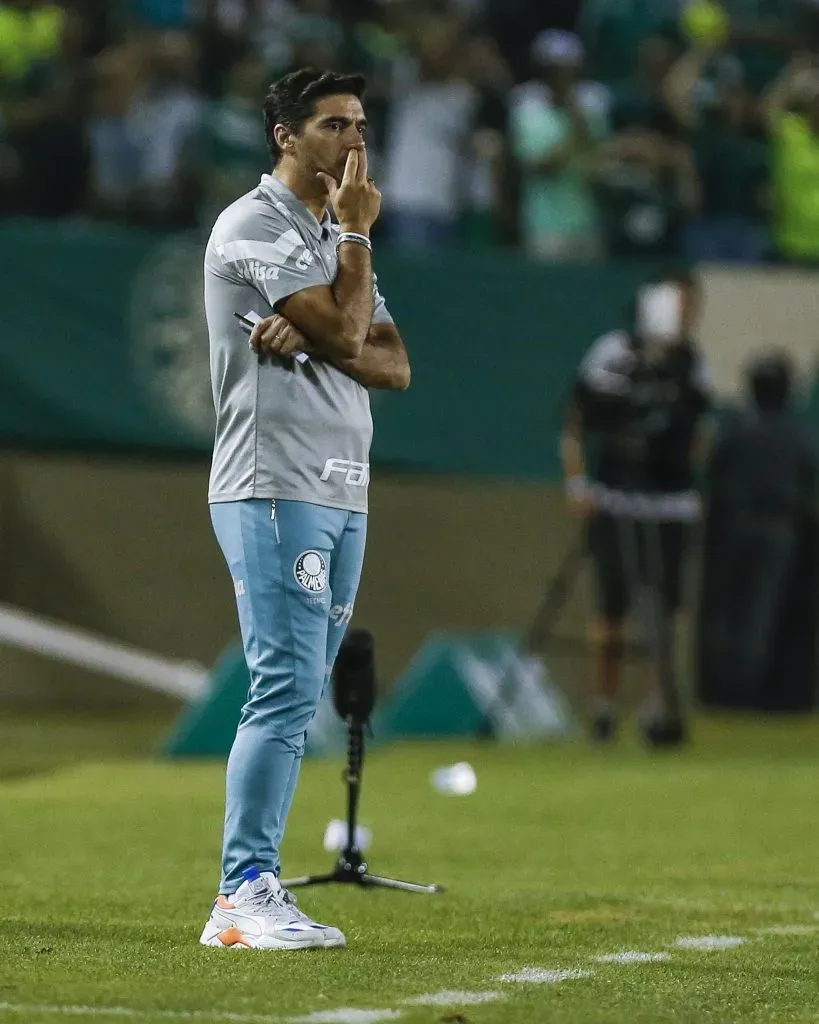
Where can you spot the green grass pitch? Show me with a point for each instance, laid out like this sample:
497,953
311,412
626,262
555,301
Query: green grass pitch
564,854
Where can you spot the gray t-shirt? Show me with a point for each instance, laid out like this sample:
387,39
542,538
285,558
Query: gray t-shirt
284,429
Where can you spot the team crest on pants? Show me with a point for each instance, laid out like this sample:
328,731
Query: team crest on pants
310,571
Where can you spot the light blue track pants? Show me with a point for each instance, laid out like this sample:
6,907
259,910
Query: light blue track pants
296,569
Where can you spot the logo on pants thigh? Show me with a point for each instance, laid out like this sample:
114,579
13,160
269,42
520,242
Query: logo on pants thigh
310,571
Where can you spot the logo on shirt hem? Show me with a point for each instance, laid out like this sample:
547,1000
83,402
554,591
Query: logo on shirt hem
356,474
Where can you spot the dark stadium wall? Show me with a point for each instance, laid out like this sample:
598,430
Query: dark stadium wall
125,549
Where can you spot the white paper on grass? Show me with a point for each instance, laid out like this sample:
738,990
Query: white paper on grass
300,357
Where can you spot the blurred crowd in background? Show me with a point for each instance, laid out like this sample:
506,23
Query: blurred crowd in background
574,129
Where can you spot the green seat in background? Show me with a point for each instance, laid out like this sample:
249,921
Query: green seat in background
471,684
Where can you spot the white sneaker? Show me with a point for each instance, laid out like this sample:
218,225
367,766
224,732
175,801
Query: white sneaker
263,915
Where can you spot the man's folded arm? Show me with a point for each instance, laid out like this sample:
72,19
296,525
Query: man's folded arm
383,362
336,318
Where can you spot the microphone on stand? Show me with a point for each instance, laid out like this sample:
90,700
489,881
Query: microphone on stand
354,693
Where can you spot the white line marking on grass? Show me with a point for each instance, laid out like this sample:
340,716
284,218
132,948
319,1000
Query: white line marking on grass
709,942
454,999
132,1014
632,956
789,929
347,1015
537,976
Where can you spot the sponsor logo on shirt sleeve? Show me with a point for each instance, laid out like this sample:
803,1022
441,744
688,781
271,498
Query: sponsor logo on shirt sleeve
256,271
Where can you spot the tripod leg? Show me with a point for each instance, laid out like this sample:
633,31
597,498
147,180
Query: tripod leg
294,883
628,533
538,630
395,883
557,592
662,629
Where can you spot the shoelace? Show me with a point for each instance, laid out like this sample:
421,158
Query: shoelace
281,900
263,900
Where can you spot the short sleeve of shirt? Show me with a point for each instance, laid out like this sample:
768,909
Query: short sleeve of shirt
606,367
381,315
272,257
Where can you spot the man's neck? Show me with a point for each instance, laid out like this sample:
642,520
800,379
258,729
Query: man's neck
304,186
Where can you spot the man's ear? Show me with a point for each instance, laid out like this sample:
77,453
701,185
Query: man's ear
284,138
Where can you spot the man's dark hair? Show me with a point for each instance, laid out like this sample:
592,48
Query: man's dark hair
771,380
291,100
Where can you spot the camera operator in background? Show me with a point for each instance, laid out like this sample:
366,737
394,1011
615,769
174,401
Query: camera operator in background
760,582
639,402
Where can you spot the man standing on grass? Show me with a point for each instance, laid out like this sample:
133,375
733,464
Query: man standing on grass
288,485
640,400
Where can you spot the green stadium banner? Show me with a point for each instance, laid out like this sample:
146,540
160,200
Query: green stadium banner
103,346
96,345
